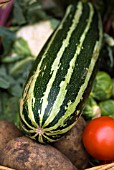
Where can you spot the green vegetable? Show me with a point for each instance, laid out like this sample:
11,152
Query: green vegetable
62,75
113,88
102,86
14,68
91,110
8,37
107,108
27,11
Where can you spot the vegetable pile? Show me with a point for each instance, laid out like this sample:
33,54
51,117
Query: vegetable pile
101,98
25,25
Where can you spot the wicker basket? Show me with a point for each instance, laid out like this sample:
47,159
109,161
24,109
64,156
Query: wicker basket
101,167
5,168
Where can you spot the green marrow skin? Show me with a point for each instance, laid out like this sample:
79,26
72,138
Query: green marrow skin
62,74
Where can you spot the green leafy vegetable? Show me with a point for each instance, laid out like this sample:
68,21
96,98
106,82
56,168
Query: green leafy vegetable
107,107
8,38
113,88
91,110
102,86
14,69
27,12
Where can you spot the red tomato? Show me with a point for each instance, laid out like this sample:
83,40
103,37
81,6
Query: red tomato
98,138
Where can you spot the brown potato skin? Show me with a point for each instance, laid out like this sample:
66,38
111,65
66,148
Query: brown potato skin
25,154
8,131
71,145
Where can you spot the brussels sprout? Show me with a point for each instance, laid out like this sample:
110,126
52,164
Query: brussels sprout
113,88
107,108
102,86
91,110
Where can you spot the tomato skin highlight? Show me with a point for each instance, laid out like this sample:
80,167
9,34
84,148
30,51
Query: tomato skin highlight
98,138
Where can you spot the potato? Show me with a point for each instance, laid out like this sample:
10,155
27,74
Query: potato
71,145
8,131
25,154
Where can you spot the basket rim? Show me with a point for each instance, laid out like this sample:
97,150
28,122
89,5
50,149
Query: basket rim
109,166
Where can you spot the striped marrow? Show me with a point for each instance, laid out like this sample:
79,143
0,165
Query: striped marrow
61,76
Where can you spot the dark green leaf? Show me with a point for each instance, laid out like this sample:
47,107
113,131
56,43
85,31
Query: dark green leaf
5,79
8,38
21,47
12,59
9,107
18,16
15,90
4,83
